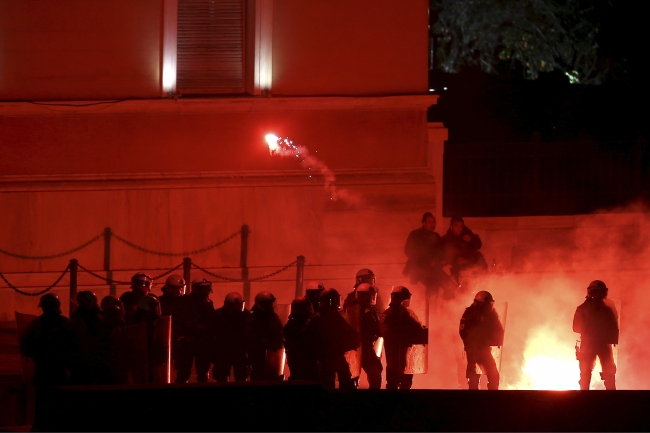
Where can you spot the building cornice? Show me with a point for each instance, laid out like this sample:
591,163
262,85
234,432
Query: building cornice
182,180
219,105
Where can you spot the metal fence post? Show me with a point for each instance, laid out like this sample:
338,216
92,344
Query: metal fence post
108,233
73,283
187,269
300,273
243,263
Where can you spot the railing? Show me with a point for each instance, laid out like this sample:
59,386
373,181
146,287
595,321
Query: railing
74,267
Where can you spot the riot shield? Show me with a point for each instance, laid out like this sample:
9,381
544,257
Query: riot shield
417,355
161,355
26,364
276,360
130,352
502,310
615,305
352,315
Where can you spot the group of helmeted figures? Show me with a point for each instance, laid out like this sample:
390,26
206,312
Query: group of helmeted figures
125,340
457,252
136,338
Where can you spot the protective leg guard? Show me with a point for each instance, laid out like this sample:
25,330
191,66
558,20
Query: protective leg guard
473,381
610,381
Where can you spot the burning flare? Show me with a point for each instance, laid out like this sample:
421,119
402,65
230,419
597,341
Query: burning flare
285,147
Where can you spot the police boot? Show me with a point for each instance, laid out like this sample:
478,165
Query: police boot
472,381
610,381
585,380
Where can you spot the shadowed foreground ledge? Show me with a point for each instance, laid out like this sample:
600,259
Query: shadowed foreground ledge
290,406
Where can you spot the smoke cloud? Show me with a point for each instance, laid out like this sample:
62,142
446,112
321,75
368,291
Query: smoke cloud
286,147
544,283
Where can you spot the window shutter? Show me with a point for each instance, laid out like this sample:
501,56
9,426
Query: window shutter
210,46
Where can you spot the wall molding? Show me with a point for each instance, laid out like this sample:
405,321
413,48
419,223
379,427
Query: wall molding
220,105
190,180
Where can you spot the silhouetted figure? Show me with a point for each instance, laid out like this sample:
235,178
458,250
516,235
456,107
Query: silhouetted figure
265,340
148,311
195,340
173,290
596,320
92,335
112,311
370,333
480,328
331,337
313,292
140,286
49,341
230,327
425,251
401,330
302,361
462,248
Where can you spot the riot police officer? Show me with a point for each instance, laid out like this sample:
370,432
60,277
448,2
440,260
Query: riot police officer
230,328
401,330
265,338
480,328
596,320
194,337
370,333
140,286
331,337
301,360
49,341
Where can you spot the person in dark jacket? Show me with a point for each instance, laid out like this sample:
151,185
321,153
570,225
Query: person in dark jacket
331,337
480,329
302,361
462,248
49,341
401,330
195,341
265,340
425,251
596,320
230,328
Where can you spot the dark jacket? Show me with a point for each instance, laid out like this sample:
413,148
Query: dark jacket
596,321
423,248
265,330
481,327
330,335
456,247
401,330
194,317
230,329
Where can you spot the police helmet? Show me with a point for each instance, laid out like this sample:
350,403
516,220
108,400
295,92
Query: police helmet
597,289
330,300
234,301
86,299
301,307
140,280
483,296
264,301
50,302
149,303
365,275
366,294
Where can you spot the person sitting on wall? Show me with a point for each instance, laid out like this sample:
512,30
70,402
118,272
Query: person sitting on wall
461,247
425,252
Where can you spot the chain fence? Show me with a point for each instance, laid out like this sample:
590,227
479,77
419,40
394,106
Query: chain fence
187,253
22,292
240,280
52,256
